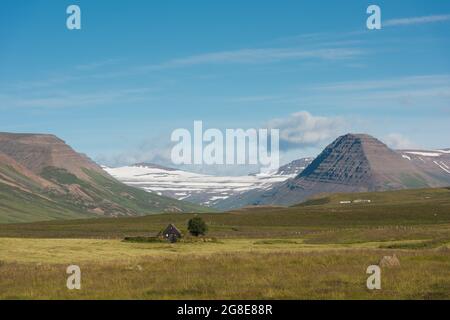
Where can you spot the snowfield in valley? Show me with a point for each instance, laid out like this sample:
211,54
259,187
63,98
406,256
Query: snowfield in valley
198,188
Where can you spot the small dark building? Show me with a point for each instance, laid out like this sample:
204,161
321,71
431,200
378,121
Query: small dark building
171,233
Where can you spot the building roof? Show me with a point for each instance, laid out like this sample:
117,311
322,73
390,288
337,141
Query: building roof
171,229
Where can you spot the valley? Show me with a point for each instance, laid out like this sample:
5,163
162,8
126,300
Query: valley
307,231
224,150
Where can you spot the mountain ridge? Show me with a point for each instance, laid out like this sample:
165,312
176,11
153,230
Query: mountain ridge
41,177
351,163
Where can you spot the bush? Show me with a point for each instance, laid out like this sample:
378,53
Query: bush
197,227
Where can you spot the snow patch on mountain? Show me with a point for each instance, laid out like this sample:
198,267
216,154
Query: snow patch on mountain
429,160
425,154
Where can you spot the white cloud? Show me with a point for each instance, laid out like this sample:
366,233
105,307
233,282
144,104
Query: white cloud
302,129
149,151
398,141
416,20
299,130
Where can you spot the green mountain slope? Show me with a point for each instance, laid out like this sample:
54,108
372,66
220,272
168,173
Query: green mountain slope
41,178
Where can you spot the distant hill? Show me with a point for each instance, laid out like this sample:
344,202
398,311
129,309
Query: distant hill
43,178
353,163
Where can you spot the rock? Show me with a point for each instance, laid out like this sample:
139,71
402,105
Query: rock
135,268
389,262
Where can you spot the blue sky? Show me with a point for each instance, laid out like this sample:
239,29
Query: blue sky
137,70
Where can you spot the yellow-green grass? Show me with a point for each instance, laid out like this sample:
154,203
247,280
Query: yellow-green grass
232,269
319,250
116,251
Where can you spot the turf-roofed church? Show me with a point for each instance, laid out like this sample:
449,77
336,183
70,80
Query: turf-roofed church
171,233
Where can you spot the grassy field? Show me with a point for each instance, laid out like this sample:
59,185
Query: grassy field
317,250
232,269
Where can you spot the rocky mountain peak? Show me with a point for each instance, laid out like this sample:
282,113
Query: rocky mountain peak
345,161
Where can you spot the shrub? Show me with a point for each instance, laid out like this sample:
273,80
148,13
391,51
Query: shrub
197,226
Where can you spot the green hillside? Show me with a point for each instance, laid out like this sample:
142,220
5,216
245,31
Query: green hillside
428,208
43,178
24,200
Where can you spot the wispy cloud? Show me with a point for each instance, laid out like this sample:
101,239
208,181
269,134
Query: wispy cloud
302,129
149,151
255,98
398,141
239,56
62,99
265,55
416,20
98,64
419,93
421,81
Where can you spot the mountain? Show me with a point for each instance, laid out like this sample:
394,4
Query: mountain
43,178
435,163
197,188
295,167
39,151
352,163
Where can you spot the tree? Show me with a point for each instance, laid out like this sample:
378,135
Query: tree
197,226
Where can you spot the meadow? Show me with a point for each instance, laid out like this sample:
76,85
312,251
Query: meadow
316,250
